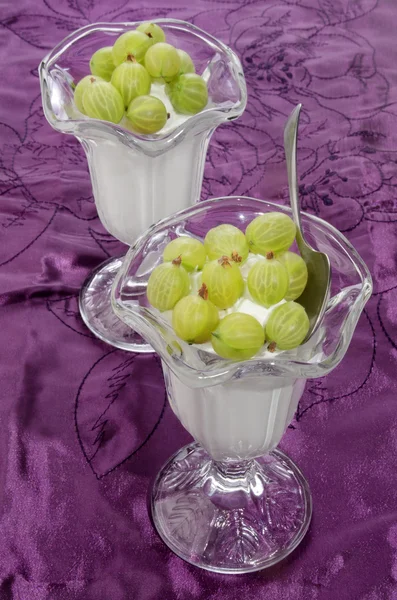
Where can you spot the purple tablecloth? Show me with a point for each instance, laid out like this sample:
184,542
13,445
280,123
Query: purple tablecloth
83,427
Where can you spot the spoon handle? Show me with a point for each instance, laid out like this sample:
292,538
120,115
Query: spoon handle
290,143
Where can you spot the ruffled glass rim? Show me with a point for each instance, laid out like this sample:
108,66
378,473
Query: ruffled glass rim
198,370
209,117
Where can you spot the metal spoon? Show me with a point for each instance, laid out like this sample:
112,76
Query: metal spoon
315,296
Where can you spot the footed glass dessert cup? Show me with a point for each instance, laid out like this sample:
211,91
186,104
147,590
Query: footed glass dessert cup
138,180
232,502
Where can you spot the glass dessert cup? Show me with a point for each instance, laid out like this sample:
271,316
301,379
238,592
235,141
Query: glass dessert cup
232,502
138,180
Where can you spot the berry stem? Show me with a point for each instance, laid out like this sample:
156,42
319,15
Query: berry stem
224,261
203,292
269,255
236,257
177,261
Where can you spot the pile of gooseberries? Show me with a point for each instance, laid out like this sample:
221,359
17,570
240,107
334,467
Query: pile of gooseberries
275,281
122,76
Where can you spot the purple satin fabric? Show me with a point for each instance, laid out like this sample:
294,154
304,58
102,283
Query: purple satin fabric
83,427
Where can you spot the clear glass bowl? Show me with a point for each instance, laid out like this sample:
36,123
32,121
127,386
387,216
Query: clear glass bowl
138,180
232,502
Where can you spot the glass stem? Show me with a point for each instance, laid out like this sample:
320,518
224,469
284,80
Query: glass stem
229,482
233,472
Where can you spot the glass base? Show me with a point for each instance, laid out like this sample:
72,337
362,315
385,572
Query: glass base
97,313
231,517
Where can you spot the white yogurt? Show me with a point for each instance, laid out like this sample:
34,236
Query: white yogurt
240,419
134,189
243,418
